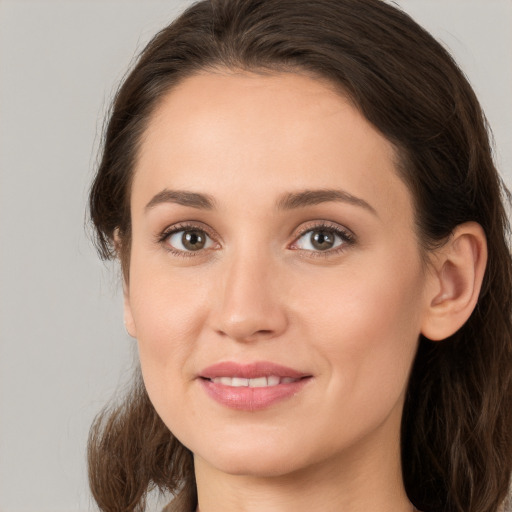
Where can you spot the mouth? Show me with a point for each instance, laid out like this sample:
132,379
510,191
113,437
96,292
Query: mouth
258,382
251,387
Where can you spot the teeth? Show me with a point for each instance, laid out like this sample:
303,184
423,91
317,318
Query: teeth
238,383
258,382
273,380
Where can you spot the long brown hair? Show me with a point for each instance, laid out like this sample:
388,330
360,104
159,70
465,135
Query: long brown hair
457,425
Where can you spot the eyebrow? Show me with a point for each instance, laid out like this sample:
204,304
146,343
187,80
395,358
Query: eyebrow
184,198
313,197
288,201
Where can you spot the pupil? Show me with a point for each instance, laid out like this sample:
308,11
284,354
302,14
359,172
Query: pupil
322,240
193,240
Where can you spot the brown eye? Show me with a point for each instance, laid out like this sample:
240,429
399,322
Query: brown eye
322,239
193,240
187,240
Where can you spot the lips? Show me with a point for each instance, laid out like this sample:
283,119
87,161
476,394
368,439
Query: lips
251,387
250,371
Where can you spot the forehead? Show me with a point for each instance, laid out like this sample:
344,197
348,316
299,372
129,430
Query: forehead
263,135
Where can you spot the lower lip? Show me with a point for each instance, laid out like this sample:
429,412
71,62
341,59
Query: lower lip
245,398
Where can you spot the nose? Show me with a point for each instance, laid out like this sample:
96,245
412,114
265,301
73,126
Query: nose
251,302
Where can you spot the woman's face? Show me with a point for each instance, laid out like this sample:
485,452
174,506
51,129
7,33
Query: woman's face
276,288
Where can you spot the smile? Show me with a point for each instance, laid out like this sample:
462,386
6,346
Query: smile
258,382
251,387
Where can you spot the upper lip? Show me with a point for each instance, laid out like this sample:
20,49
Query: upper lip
250,370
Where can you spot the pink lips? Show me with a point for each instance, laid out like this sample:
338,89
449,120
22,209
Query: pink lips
251,387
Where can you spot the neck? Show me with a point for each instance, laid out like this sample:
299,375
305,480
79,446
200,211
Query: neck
369,477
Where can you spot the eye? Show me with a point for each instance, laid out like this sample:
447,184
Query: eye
189,240
322,239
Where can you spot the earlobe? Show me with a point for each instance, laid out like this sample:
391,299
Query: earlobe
129,323
456,277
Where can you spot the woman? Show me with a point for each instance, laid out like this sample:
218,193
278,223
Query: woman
313,243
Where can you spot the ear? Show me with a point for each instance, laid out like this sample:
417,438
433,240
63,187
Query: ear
129,323
457,272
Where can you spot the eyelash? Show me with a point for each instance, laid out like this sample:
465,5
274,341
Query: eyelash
347,238
163,237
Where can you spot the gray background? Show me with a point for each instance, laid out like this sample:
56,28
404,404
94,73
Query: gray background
63,349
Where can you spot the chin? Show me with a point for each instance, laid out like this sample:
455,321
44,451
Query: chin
258,466
270,460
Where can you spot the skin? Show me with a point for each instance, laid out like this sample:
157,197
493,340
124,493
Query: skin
349,316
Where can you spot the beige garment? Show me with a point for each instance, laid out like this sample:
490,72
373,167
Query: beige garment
181,503
507,505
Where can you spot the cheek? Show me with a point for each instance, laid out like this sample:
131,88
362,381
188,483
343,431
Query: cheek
168,311
367,325
168,322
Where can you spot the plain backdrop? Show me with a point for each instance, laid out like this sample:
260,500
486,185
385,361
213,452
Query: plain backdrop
63,348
